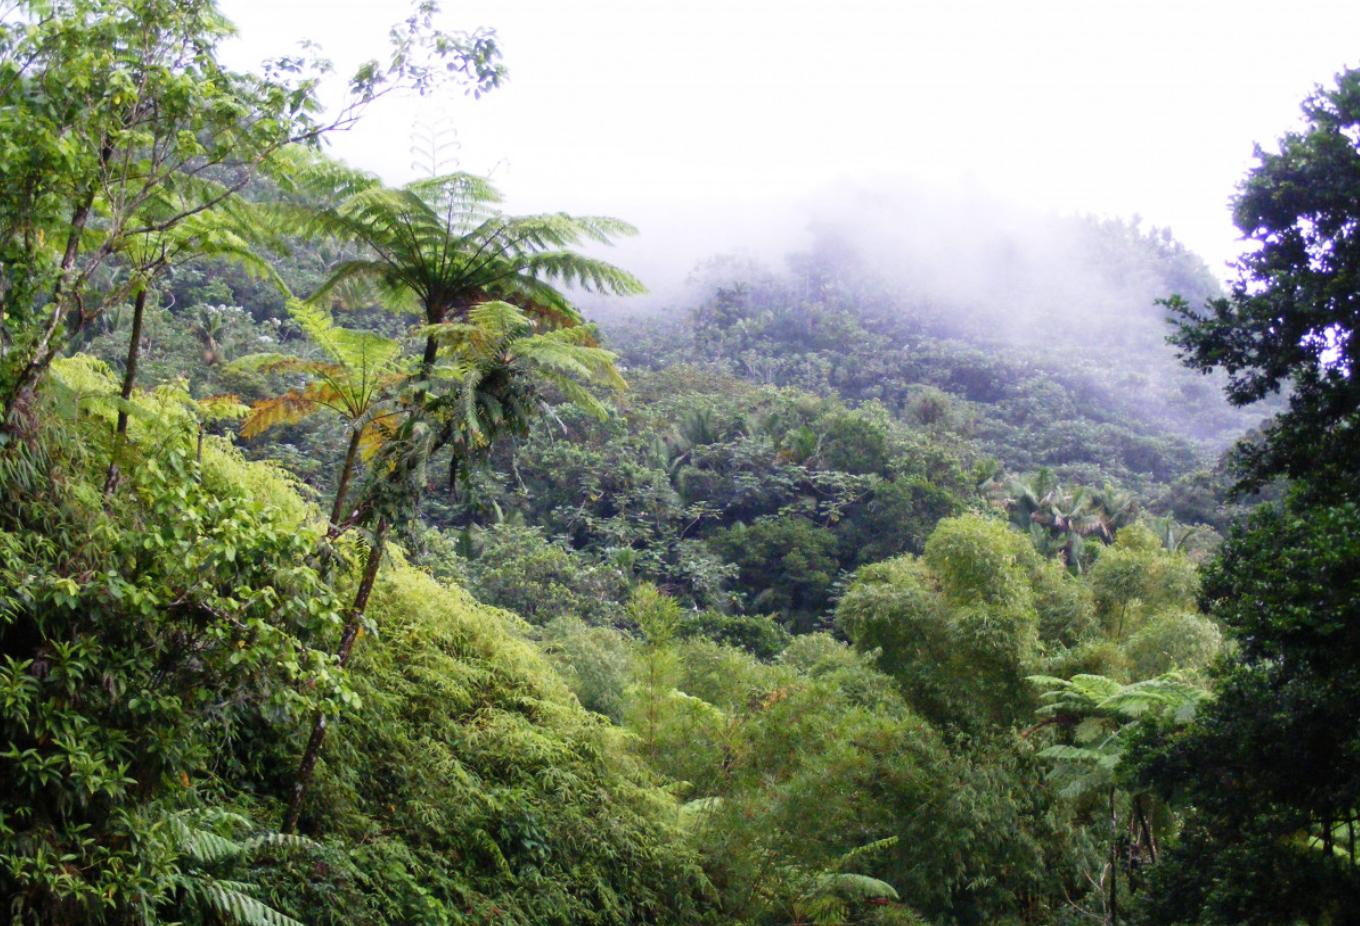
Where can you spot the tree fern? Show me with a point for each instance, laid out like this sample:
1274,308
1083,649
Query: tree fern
442,246
499,342
356,381
859,853
206,845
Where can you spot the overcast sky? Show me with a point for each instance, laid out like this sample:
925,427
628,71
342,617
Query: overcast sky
708,121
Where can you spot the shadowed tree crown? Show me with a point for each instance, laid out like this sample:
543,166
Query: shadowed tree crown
1290,319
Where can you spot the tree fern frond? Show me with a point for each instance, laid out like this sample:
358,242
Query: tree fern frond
855,887
362,354
584,272
289,408
869,848
229,900
459,189
279,363
225,407
308,176
375,435
354,283
202,845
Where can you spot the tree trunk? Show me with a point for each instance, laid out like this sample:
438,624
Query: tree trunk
129,380
431,351
26,384
434,315
346,471
43,352
1149,840
307,766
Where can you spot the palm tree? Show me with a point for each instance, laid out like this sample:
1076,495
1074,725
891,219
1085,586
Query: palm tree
1174,535
1061,520
357,381
1114,508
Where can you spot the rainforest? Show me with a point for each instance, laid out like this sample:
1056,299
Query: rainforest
374,553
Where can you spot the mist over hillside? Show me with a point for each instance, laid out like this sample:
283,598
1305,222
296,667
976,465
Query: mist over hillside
954,289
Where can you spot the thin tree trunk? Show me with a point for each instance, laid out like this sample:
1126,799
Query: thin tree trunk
346,471
45,350
26,384
129,380
1148,838
307,766
433,316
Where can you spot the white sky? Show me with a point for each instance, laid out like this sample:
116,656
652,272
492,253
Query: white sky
695,118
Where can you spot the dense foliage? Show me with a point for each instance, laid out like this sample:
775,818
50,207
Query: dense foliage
163,655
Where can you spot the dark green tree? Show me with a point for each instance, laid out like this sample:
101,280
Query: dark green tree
1269,772
1290,318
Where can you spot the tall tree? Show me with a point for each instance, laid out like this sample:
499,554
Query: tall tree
1268,771
226,232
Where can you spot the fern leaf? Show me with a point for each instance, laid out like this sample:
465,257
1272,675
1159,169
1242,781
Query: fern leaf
291,407
232,902
226,407
870,848
855,887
